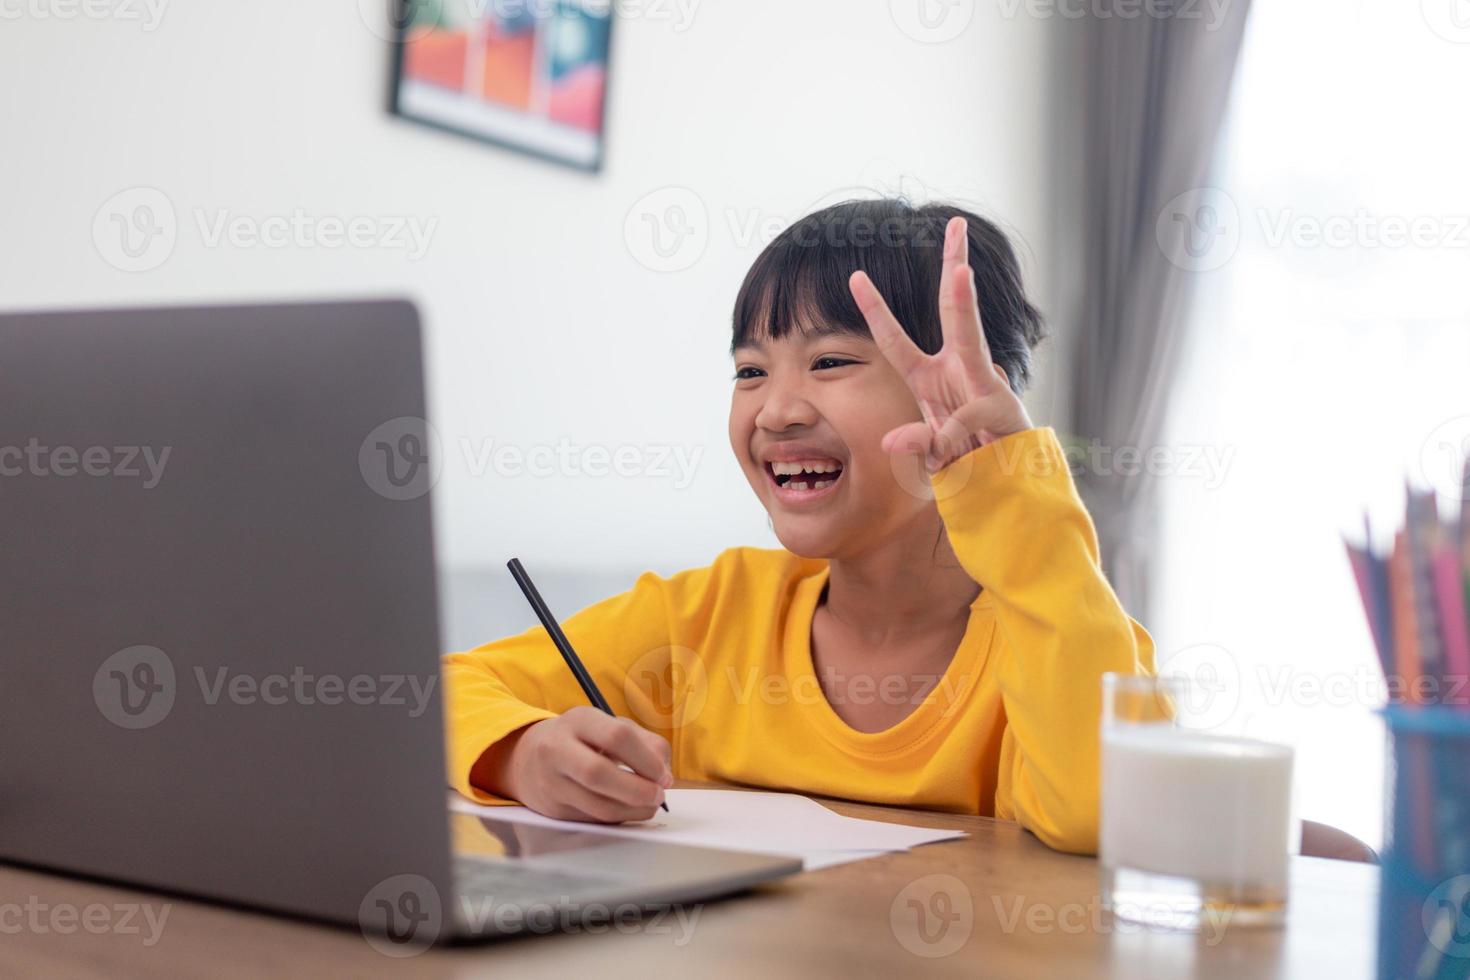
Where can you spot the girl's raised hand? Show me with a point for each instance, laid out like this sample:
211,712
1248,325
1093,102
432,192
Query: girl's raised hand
964,396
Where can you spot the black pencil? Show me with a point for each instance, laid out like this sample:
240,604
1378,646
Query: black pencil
574,662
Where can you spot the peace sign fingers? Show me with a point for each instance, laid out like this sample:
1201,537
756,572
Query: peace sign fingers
963,398
888,334
959,306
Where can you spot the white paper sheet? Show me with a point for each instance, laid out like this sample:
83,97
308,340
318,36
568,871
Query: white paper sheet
766,823
816,860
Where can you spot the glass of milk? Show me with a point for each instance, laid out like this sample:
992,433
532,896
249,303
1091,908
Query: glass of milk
1196,825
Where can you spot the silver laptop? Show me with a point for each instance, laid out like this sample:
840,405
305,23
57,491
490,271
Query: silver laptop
218,611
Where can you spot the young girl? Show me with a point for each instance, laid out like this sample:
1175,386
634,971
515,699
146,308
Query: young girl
933,632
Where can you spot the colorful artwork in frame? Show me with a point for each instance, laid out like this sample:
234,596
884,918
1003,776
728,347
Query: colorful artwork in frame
528,74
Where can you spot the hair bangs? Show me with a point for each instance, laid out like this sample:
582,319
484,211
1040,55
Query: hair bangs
799,282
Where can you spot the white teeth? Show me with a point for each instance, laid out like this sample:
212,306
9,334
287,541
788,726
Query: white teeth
802,485
799,466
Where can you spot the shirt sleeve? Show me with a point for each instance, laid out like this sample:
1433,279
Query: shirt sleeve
1019,528
625,642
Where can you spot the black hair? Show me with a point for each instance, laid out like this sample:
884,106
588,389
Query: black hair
799,282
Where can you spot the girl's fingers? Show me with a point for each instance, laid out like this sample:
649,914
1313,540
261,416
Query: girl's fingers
997,415
642,751
971,300
959,306
959,431
595,806
911,438
887,333
606,778
564,811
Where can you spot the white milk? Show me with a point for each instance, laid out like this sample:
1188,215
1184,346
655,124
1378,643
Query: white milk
1214,808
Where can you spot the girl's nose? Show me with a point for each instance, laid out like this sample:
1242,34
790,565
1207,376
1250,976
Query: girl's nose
785,405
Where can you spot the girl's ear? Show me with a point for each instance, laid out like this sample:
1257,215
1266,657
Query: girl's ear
1000,373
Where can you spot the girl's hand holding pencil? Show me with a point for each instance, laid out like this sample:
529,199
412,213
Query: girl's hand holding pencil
583,765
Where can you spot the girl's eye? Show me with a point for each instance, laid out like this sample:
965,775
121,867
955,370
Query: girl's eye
747,372
827,363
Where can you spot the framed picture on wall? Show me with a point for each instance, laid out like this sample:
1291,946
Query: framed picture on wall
527,74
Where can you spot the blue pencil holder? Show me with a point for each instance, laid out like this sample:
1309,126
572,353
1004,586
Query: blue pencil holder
1424,901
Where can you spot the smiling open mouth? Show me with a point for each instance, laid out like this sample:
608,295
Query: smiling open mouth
805,476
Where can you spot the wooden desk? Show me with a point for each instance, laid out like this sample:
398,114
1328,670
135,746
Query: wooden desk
1032,913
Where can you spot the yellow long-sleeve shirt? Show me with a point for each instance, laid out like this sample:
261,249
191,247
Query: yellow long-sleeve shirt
718,661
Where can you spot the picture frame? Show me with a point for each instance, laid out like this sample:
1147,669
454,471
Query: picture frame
529,75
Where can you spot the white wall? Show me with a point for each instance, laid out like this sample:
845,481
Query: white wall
542,323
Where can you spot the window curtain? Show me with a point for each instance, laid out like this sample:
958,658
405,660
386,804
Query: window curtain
1155,82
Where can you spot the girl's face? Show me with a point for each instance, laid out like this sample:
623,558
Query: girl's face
806,420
